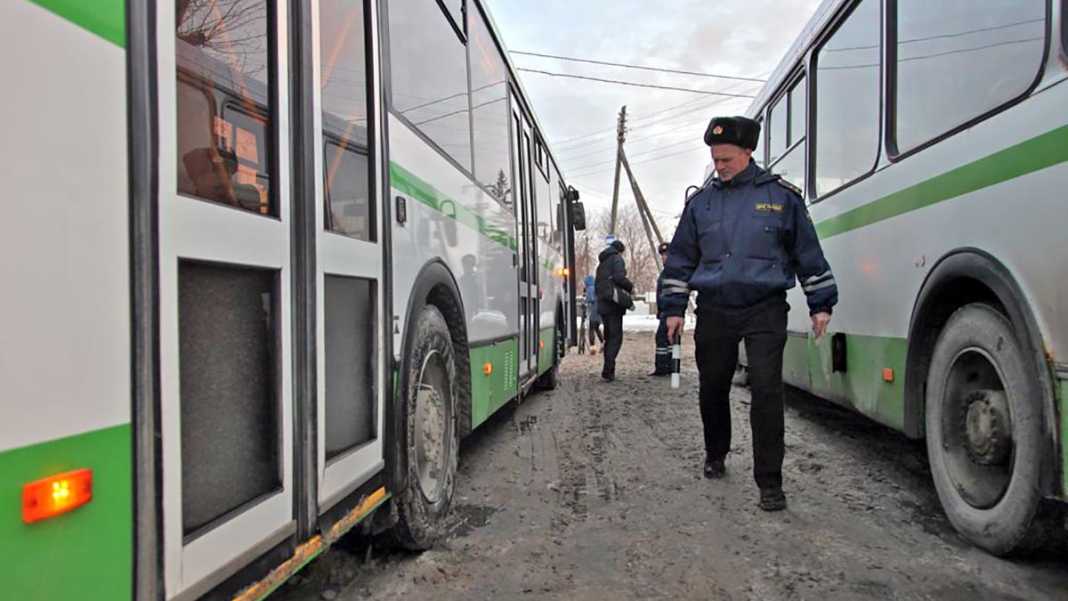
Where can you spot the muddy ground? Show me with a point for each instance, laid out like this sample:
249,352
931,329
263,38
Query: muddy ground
594,491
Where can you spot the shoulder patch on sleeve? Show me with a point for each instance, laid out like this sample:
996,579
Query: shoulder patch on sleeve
765,178
790,187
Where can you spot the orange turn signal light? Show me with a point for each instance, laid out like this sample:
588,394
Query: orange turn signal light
487,369
888,374
56,495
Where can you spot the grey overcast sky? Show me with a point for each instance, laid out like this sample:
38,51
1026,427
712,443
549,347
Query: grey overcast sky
731,37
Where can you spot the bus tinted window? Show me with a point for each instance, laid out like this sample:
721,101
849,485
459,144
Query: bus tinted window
489,101
428,71
223,103
847,100
959,59
343,80
777,130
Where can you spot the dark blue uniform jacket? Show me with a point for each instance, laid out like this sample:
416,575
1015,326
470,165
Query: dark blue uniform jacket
743,241
660,295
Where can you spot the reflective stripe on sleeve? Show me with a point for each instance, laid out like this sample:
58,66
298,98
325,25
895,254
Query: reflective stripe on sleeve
819,286
816,278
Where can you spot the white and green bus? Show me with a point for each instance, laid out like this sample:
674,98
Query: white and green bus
931,142
265,262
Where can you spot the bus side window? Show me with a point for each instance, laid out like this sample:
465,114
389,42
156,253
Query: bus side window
958,60
343,81
758,154
777,131
225,55
786,139
847,100
489,113
428,76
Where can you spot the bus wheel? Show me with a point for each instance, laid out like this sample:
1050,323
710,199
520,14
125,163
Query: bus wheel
551,379
430,448
984,431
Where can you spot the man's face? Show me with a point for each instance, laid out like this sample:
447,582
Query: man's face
730,160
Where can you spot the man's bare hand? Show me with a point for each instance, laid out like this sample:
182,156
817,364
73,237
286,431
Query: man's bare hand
674,328
820,321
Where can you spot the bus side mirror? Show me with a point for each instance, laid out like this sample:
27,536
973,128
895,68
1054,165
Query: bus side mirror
578,216
572,194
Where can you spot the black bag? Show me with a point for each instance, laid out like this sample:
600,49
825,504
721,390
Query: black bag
622,298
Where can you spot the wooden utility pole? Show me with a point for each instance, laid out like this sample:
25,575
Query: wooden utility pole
621,135
648,222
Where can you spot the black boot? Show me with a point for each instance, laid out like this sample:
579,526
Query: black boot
715,469
772,499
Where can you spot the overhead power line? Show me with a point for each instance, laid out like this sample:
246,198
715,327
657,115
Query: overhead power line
601,133
635,84
641,162
641,67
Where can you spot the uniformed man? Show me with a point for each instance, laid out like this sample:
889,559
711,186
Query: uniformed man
662,359
741,243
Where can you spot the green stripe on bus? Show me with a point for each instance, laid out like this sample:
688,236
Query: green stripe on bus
490,392
861,386
408,183
1032,155
87,553
105,18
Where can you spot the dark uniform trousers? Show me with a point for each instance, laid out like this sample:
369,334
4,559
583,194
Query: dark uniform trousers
718,332
663,349
613,340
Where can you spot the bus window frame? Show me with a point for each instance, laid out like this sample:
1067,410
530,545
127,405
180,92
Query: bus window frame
893,152
387,91
762,141
459,28
541,155
797,75
389,108
273,135
813,100
1064,30
375,111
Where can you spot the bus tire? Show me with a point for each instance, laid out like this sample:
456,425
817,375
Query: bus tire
551,379
984,424
429,449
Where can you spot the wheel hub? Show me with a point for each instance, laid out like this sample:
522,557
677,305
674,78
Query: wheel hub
977,429
987,431
431,428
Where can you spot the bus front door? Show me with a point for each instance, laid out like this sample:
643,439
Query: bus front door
525,218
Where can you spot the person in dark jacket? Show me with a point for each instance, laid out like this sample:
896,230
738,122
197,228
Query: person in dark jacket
662,361
742,242
594,330
613,300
